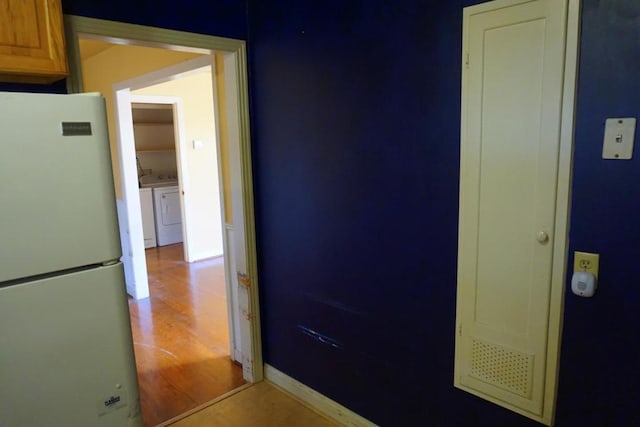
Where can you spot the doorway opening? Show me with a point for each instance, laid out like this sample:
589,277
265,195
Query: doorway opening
154,129
226,61
181,337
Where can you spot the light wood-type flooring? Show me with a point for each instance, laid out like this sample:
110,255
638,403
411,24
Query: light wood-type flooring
260,405
181,337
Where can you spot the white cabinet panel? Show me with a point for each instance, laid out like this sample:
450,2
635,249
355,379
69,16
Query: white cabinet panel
510,145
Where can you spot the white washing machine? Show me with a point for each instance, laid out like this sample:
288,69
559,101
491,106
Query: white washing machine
168,215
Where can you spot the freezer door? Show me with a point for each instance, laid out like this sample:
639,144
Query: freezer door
57,207
66,352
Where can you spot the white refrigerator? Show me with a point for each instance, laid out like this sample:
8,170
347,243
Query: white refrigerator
66,350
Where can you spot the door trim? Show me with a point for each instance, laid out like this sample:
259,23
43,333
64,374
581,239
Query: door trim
122,90
179,145
235,67
563,208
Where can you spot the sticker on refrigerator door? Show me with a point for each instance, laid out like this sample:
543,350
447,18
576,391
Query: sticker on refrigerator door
112,401
76,129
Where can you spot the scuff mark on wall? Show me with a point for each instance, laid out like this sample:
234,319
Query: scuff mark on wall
320,337
334,304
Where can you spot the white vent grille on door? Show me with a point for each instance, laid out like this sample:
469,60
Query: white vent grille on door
504,368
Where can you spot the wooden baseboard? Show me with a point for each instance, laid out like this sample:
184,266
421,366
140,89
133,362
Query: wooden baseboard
315,400
205,255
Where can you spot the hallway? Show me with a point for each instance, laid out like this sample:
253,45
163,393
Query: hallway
181,336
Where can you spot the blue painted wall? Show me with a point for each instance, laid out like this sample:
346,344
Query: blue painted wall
355,115
356,136
224,18
600,351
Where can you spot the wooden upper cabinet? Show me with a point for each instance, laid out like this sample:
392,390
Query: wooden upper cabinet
32,41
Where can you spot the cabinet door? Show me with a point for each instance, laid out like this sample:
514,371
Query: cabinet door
512,98
31,41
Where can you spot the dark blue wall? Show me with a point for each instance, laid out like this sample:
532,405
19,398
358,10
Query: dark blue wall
224,18
57,87
600,351
356,139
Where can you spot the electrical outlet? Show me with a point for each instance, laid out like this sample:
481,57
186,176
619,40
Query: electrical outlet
585,261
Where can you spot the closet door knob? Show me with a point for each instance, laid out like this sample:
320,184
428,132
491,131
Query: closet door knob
542,237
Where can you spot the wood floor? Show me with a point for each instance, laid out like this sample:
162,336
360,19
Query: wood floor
181,337
260,405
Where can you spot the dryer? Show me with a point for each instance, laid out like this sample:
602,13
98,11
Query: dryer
168,215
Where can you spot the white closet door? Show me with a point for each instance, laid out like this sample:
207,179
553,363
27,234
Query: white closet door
514,56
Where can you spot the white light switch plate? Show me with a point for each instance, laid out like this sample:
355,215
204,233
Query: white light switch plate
618,138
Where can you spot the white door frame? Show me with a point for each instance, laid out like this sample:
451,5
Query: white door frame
136,267
179,140
126,144
237,108
131,234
